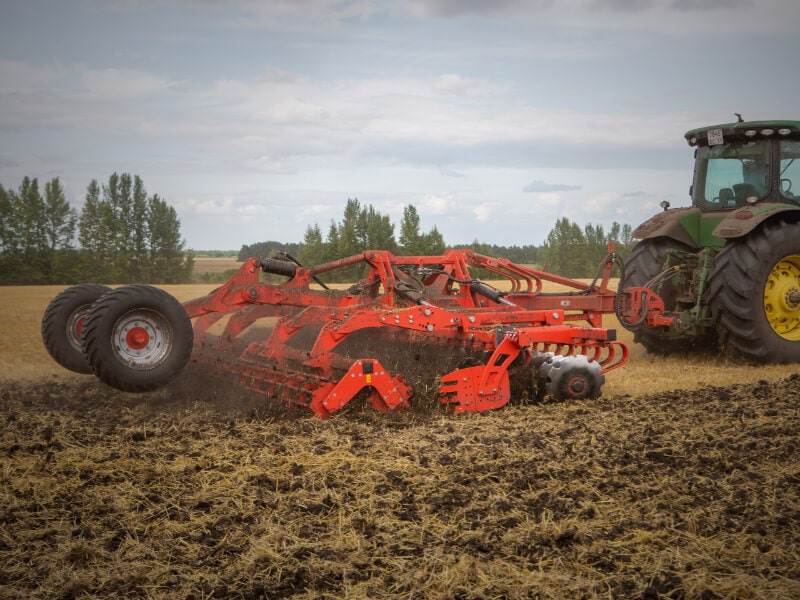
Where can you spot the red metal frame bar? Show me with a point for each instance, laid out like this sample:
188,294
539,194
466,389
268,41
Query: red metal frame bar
433,298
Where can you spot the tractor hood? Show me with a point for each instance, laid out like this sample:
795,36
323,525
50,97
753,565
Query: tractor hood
680,224
698,229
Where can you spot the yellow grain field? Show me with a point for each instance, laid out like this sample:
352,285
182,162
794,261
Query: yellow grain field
22,354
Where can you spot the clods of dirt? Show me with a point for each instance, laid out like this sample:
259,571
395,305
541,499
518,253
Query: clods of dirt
200,491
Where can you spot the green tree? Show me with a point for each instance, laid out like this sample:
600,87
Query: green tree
168,262
332,241
94,235
596,246
313,250
410,242
8,222
267,249
379,231
564,250
415,243
623,236
10,260
125,207
59,230
127,237
123,236
432,242
137,239
30,207
28,204
36,234
351,240
59,217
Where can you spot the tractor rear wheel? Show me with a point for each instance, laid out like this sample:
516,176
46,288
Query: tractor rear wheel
137,338
754,294
647,260
62,324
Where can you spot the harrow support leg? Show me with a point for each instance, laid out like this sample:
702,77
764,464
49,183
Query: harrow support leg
484,387
387,393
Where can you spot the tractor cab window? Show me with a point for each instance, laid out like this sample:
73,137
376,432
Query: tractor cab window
790,170
728,174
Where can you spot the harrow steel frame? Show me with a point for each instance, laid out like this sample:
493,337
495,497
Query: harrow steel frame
426,299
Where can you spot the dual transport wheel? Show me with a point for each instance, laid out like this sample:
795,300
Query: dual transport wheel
135,338
753,294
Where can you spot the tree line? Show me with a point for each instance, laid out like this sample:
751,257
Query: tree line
121,235
569,250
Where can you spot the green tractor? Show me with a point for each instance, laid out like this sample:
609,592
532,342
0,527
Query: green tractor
724,273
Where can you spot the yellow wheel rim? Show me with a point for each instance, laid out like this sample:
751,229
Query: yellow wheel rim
782,298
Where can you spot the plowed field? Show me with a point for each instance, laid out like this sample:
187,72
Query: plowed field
674,495
665,487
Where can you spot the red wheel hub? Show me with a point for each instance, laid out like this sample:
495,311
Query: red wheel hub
577,386
79,326
137,338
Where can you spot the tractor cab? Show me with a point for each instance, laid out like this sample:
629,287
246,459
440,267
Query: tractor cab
745,173
745,163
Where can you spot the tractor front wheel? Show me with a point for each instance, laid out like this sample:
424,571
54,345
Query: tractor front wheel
62,324
137,338
754,294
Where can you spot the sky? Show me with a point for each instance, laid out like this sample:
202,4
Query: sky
494,118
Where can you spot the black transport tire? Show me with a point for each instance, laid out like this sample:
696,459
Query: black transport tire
137,338
754,294
647,261
63,322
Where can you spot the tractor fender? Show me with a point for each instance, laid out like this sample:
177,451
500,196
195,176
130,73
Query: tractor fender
743,220
672,224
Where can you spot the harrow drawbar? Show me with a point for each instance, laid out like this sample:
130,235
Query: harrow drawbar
412,327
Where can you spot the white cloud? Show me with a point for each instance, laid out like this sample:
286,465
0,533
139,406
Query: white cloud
297,105
461,8
250,210
604,204
293,111
207,207
540,185
313,210
270,164
293,124
436,205
329,11
451,172
679,18
77,96
453,84
485,211
546,202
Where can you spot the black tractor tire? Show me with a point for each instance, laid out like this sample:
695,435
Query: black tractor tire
63,322
754,294
647,261
137,338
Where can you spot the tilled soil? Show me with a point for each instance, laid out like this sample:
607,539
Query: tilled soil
198,492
